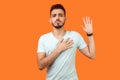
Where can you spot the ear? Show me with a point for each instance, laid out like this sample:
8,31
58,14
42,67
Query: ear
50,20
65,18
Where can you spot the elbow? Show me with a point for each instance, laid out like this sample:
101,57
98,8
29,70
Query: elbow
93,56
41,68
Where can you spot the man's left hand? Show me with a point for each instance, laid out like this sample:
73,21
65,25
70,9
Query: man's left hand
87,25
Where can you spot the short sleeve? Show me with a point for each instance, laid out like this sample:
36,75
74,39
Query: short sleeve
41,47
81,42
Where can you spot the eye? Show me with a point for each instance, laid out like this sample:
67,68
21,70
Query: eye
53,15
61,15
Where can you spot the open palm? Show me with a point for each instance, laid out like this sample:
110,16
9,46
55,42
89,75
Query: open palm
87,25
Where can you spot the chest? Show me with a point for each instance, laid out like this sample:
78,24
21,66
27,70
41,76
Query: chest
51,44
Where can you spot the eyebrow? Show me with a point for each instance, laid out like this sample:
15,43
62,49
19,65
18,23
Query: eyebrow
58,14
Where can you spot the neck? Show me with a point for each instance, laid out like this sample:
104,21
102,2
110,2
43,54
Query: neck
59,33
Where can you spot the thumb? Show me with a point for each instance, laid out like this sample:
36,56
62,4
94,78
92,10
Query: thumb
61,40
83,28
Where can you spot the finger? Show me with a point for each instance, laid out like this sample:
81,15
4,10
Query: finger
91,22
84,21
66,40
69,41
61,40
70,44
88,20
83,28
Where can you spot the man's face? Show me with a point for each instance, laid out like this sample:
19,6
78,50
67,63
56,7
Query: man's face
58,18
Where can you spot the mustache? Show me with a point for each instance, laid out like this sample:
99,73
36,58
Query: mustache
57,20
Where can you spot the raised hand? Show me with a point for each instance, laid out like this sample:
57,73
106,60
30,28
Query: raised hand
88,28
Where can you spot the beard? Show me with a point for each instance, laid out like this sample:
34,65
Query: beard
58,26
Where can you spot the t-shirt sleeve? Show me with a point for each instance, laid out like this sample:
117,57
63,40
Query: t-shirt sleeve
41,47
81,42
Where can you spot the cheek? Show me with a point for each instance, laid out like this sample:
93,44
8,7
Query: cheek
52,20
63,19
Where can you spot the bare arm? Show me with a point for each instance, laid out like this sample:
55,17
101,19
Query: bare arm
89,51
45,61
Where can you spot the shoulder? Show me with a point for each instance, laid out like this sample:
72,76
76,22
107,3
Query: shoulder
75,33
44,36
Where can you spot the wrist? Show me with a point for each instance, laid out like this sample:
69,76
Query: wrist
89,34
58,50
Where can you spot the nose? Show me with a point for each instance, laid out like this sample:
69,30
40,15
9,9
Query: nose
57,17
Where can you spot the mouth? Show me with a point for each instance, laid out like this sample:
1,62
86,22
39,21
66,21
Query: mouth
57,22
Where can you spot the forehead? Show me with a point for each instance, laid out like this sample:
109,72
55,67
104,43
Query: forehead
57,11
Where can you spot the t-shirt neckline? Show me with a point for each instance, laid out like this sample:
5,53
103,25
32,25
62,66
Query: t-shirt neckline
61,38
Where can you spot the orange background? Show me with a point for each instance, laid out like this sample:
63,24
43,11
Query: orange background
22,22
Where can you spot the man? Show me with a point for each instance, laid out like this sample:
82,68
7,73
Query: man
57,49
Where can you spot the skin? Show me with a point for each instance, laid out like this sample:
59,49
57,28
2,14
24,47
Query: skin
57,19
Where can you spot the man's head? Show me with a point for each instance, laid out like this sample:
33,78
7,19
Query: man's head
57,16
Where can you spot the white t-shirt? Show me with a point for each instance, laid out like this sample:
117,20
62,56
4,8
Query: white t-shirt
63,68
